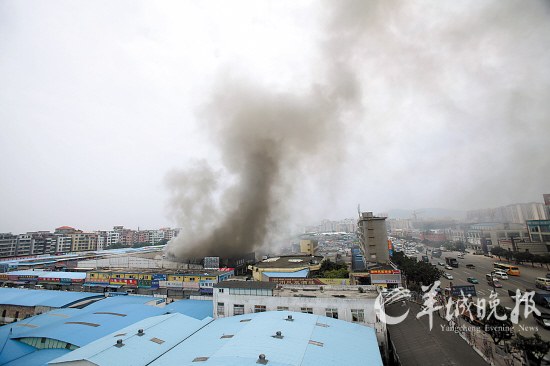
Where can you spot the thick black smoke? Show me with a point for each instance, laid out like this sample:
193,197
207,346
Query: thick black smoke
265,140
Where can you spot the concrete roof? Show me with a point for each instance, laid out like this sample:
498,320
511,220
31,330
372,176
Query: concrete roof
54,299
290,261
246,284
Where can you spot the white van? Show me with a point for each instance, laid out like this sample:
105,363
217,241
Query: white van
543,283
501,275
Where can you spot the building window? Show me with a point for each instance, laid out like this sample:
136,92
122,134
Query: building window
331,313
282,308
259,308
358,315
221,309
238,309
220,290
4,313
307,310
16,315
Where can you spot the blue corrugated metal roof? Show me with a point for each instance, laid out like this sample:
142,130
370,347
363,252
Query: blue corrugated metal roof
198,309
303,273
167,330
307,340
49,274
55,299
38,357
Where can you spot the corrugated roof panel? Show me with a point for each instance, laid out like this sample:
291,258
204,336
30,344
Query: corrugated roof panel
160,333
55,299
297,274
250,339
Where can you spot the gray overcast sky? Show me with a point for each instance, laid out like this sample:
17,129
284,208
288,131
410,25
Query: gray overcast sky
105,106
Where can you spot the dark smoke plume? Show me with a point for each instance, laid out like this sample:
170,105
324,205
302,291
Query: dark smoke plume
268,142
265,139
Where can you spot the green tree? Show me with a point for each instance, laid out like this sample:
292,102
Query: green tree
498,251
499,330
329,269
534,347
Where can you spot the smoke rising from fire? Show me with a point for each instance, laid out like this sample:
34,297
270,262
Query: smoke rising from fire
446,98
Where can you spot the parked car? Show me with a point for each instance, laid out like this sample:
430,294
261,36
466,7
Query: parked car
448,267
547,274
441,264
471,266
448,276
543,319
472,280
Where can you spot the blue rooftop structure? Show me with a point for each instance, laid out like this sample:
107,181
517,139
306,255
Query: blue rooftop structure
198,309
303,273
307,339
140,343
53,299
175,339
49,274
20,342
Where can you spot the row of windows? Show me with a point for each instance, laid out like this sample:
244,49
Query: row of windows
47,343
357,315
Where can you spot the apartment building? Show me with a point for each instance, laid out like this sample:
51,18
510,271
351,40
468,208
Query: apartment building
8,245
373,237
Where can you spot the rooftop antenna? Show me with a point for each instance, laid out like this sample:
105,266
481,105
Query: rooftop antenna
359,209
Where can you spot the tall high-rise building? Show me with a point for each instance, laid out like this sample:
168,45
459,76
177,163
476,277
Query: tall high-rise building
373,237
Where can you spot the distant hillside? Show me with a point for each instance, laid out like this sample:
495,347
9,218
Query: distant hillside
426,213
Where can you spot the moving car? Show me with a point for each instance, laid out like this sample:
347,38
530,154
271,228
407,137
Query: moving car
492,281
543,319
471,266
448,276
501,275
472,280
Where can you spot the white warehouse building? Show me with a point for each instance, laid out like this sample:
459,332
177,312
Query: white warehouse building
355,304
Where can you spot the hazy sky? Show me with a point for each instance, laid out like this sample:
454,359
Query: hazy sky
108,108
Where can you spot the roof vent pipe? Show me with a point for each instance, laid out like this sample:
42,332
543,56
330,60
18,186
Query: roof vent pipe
278,335
140,332
289,318
119,343
261,359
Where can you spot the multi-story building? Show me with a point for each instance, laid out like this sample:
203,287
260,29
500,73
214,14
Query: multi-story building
111,238
143,236
24,244
516,213
373,237
156,236
539,231
63,243
42,242
169,234
349,303
8,245
84,242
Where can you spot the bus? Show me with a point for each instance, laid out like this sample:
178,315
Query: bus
510,269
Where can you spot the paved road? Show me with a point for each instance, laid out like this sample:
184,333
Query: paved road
483,266
416,344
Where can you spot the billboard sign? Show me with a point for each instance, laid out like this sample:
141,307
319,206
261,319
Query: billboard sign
457,291
211,262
